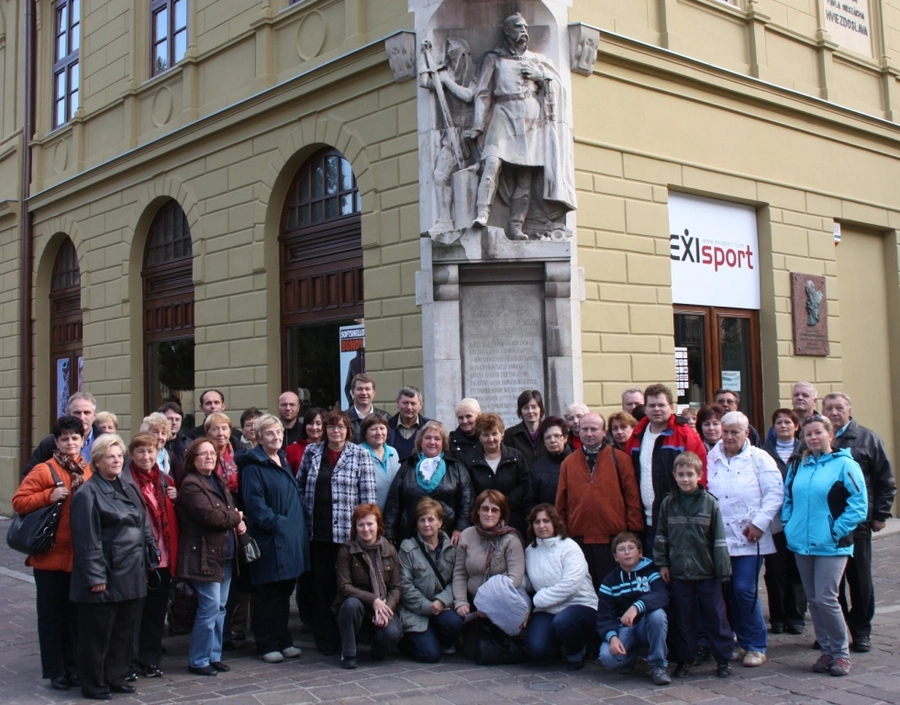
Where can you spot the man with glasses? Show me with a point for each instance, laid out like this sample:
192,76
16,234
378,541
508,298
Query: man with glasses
868,450
730,400
657,440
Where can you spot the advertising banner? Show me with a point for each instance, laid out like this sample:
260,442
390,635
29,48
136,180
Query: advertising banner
353,356
714,252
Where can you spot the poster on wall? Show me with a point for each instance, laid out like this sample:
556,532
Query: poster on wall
682,377
63,385
731,379
714,252
849,24
353,355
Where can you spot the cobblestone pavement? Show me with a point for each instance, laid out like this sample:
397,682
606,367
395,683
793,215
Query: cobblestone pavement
786,678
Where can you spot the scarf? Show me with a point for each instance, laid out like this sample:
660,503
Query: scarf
494,537
74,466
430,472
228,469
372,556
154,495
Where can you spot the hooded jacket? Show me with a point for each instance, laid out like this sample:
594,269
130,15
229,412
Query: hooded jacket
642,588
824,500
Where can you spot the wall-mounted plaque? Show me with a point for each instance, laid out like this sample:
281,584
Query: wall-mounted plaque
809,305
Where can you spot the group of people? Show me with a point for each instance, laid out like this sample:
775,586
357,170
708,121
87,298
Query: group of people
554,535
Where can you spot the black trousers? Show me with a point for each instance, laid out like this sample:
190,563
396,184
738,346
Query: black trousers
599,558
698,605
270,605
147,649
857,581
105,638
324,559
787,601
57,623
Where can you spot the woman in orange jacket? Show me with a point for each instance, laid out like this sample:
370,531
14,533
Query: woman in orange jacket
57,616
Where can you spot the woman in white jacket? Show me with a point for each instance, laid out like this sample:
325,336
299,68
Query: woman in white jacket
565,604
750,491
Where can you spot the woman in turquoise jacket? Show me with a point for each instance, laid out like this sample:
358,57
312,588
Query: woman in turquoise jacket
824,499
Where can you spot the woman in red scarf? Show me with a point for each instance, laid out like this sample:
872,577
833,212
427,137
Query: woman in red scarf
157,492
218,432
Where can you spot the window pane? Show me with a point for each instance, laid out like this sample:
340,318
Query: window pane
304,187
161,25
61,85
358,202
62,19
317,212
60,113
346,175
74,39
73,77
690,337
162,53
734,340
180,45
291,221
76,11
318,182
331,208
170,375
304,215
331,175
180,14
347,204
73,104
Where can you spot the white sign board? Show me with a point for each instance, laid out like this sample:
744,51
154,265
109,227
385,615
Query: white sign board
849,24
714,252
353,355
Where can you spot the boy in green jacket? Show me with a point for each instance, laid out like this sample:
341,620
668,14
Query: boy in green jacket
692,556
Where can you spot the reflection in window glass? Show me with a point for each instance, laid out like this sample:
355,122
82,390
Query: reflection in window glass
314,368
170,376
65,60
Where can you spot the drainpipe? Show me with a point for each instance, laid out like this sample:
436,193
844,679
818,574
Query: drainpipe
25,229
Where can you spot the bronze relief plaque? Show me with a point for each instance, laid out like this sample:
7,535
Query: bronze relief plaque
809,306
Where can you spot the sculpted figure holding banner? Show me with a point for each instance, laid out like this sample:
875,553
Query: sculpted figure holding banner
517,102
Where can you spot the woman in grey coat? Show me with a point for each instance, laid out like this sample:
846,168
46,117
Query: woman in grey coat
114,550
430,624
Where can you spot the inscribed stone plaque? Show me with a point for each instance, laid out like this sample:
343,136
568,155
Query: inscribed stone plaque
809,305
849,24
502,344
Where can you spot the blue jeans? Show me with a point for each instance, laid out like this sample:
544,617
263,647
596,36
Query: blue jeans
744,607
650,631
572,627
206,636
428,646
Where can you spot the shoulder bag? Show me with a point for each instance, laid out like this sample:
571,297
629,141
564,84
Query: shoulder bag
35,533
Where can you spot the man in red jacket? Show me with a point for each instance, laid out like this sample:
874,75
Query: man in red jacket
657,440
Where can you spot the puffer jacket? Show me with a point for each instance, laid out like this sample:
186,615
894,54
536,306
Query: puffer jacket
824,500
545,476
274,517
558,573
419,585
750,491
112,541
690,540
353,578
454,492
204,517
868,451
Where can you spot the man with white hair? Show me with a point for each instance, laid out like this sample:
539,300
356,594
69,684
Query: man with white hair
868,450
632,397
84,407
803,400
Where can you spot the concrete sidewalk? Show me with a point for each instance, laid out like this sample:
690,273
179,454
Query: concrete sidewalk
786,678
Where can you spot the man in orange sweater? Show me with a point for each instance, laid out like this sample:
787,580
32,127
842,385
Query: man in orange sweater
598,496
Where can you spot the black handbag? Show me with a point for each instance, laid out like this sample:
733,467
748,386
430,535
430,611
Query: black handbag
183,608
35,533
495,647
248,549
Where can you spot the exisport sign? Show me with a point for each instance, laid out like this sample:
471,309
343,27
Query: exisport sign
714,251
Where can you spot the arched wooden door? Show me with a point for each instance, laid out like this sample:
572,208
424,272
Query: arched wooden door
65,328
168,312
321,277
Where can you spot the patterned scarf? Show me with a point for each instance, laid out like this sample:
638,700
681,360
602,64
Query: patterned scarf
494,536
228,469
74,466
372,556
151,486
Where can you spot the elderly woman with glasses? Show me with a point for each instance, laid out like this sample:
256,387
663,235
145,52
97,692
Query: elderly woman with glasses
335,477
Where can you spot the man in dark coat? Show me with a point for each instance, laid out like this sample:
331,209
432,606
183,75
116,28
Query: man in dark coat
83,406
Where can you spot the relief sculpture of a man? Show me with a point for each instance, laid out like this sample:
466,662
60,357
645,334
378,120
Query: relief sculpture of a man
516,124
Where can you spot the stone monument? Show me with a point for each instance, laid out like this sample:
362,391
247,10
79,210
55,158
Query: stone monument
499,287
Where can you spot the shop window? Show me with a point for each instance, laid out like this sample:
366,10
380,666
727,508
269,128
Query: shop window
66,39
722,350
65,328
168,43
320,250
169,312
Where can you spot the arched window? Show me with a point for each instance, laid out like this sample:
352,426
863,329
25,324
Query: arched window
65,327
169,312
321,280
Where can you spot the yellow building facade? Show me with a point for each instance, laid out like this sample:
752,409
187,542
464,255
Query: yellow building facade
786,107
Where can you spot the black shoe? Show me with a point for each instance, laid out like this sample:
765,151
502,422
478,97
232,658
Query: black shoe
96,696
681,670
60,683
576,664
723,670
203,670
795,629
861,644
131,677
152,672
74,680
348,661
238,635
777,628
123,688
220,667
703,655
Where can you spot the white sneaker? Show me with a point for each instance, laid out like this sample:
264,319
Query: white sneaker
291,652
738,654
273,657
754,658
